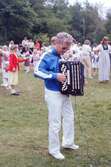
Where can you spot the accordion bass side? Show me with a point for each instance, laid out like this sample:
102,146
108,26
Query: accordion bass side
74,83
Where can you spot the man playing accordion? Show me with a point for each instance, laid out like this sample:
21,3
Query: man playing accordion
60,111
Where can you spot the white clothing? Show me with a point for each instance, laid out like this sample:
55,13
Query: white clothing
86,50
59,107
75,52
86,56
25,43
5,62
13,78
74,48
30,44
36,57
104,63
72,54
95,59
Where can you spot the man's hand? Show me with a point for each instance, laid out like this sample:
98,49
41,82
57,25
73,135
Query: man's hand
61,77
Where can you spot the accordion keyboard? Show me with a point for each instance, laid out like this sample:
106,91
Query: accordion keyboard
74,83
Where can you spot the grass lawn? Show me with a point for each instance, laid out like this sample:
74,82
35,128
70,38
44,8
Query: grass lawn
24,127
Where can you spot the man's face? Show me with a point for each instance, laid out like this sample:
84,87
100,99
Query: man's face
62,48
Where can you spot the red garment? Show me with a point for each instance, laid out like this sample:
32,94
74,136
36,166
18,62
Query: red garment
14,62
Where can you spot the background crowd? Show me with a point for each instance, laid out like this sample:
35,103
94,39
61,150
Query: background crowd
95,57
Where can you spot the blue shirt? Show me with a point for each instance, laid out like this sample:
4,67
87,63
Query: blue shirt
47,69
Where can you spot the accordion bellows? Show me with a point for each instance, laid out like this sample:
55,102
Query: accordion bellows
74,83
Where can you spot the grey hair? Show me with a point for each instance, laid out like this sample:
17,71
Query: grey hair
63,37
87,42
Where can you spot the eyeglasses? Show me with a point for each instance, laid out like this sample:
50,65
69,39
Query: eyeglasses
65,48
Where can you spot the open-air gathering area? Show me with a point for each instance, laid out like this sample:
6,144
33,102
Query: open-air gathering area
55,83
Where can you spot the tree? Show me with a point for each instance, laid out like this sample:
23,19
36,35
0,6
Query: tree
85,22
52,17
108,24
76,21
94,24
17,19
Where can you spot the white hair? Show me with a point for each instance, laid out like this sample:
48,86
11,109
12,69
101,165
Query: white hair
63,37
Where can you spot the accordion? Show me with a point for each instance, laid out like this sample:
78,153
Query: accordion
74,83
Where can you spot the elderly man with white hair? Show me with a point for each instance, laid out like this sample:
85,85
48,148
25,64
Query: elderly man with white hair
60,111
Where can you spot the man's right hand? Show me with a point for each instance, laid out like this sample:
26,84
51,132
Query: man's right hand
61,77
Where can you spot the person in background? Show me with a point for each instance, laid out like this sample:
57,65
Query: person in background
36,54
86,54
38,44
27,54
104,50
25,42
30,45
110,54
95,60
52,43
11,43
60,111
5,62
13,69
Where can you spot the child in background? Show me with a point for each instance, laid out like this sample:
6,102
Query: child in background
36,56
13,69
95,60
27,55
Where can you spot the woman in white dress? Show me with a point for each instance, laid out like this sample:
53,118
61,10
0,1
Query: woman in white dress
104,60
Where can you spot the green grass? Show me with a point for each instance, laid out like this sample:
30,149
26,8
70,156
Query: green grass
24,127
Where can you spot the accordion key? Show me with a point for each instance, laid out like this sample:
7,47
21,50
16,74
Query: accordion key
74,83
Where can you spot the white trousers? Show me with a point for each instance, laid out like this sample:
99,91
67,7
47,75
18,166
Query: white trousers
60,113
5,77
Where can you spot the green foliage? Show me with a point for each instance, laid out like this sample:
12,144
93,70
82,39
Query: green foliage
42,37
19,18
86,23
108,23
76,21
